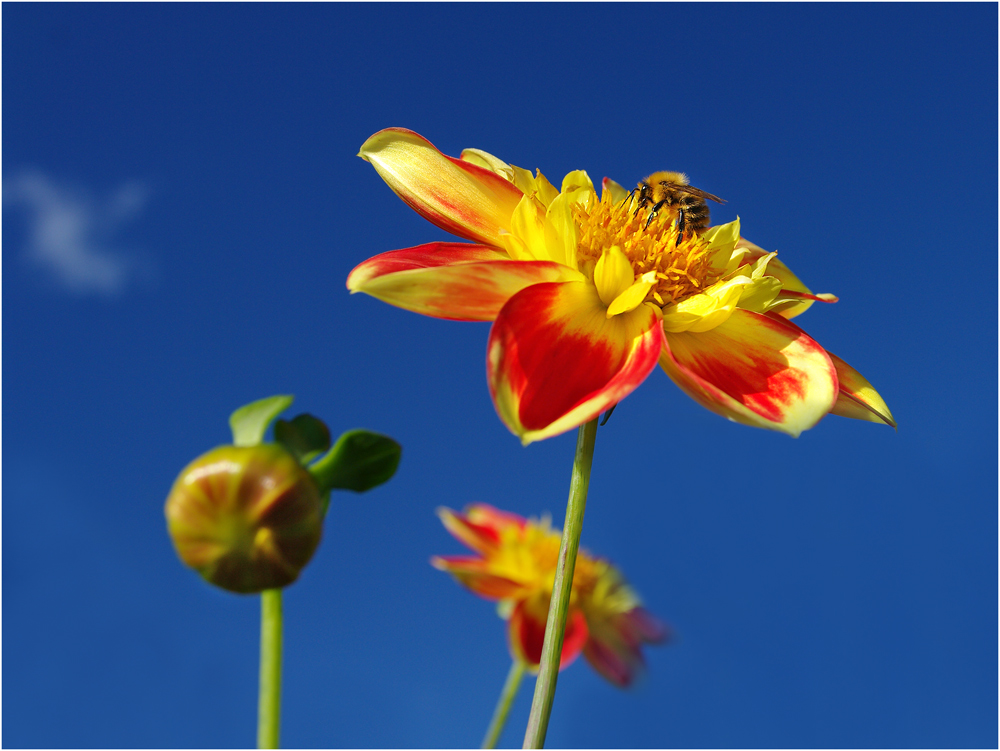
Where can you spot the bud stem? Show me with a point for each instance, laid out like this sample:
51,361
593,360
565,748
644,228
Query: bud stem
507,694
269,703
555,625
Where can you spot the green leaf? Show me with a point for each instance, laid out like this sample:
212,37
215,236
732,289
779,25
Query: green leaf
359,461
304,436
249,422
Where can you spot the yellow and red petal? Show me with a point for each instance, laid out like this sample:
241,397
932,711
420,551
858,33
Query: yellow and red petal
474,574
458,196
555,360
480,526
857,399
787,302
429,255
614,648
615,192
457,281
789,281
526,632
486,160
617,666
645,627
481,538
755,369
490,517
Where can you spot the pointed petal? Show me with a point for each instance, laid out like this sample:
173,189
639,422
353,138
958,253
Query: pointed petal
479,537
706,310
632,297
754,369
723,241
458,196
543,190
480,526
487,161
617,666
613,274
562,230
487,516
528,225
616,192
617,660
457,281
857,399
577,180
614,648
800,296
788,280
555,360
526,631
429,255
474,574
647,627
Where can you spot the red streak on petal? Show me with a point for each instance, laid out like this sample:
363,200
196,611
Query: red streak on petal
527,632
476,206
555,357
473,573
476,536
647,627
487,534
493,517
760,379
612,665
456,281
858,399
425,256
807,296
762,387
446,221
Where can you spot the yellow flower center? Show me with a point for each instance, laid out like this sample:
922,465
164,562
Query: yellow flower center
680,270
529,555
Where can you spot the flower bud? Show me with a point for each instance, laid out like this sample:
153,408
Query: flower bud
247,518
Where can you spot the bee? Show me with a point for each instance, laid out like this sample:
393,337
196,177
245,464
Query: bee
671,189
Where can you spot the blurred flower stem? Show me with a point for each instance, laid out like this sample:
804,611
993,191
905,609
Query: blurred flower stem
555,625
269,704
510,687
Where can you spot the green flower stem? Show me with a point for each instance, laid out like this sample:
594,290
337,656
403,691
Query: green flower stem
555,625
269,704
510,687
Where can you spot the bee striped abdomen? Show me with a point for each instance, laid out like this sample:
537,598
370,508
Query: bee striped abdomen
696,213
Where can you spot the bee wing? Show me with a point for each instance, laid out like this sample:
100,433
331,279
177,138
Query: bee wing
690,189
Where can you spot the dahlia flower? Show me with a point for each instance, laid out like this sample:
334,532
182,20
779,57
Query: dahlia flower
515,565
588,293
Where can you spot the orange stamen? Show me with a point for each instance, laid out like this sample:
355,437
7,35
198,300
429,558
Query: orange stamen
681,270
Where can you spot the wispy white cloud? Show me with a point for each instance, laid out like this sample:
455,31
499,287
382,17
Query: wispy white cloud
70,233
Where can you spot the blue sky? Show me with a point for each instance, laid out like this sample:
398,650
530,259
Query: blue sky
182,204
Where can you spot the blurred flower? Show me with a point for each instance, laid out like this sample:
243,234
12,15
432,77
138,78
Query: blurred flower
516,565
247,518
587,294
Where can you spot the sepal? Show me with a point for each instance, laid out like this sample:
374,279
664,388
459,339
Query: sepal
251,421
305,436
359,461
